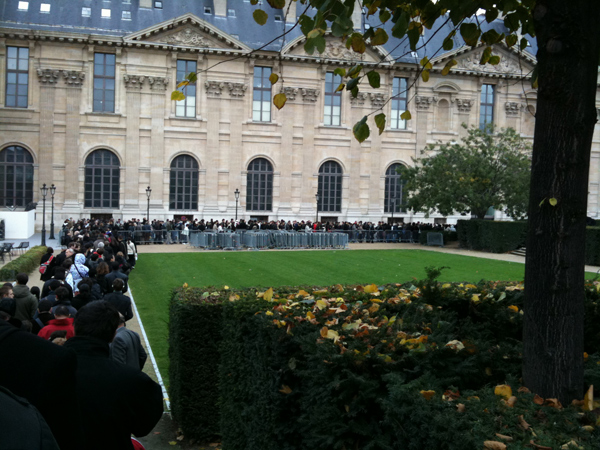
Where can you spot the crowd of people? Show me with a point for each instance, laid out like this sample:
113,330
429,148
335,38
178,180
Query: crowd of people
71,370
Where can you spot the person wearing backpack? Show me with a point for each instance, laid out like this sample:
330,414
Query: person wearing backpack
46,260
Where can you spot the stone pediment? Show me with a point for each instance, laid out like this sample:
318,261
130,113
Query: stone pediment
467,58
334,50
187,31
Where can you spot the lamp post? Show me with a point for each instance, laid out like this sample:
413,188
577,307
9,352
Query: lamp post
237,197
148,192
52,192
393,202
44,190
317,197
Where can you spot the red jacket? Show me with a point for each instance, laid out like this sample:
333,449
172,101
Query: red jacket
58,325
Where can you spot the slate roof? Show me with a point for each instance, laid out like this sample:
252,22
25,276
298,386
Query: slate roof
66,15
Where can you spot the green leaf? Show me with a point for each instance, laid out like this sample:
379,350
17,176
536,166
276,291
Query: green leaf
352,83
358,43
542,202
354,71
314,33
380,37
183,83
470,32
534,78
260,17
426,64
309,46
279,100
354,92
491,37
177,95
523,44
511,40
449,65
254,2
401,26
494,60
276,4
306,24
485,56
380,122
406,115
340,71
192,77
413,38
384,15
425,75
361,130
273,78
491,14
340,87
374,79
448,44
320,44
553,201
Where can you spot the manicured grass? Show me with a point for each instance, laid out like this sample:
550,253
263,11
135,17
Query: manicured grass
156,275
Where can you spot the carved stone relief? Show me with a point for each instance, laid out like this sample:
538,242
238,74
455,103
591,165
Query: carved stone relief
377,100
290,93
310,95
464,104
359,100
512,108
48,76
158,83
213,88
133,81
74,78
188,37
337,50
471,62
237,89
423,102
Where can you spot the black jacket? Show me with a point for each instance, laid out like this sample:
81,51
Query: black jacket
121,302
115,399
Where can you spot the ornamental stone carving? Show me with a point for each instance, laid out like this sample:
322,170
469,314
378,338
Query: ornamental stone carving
377,100
48,76
337,50
133,81
464,104
237,89
423,102
158,83
512,108
188,37
290,93
310,95
471,62
74,78
213,88
359,100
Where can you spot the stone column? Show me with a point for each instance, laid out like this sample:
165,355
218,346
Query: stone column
213,160
131,202
287,154
47,79
355,167
158,87
73,188
309,168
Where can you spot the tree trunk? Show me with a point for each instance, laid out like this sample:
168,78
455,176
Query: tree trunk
568,38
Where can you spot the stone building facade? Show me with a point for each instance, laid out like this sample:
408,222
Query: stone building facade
89,109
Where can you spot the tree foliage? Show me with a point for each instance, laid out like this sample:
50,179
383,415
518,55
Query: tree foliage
485,169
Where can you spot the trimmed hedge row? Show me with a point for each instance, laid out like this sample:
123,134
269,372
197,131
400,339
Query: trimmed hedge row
350,367
26,263
491,236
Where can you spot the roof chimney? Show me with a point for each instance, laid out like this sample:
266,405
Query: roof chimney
220,8
357,18
291,12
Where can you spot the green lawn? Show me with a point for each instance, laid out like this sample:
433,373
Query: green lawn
156,274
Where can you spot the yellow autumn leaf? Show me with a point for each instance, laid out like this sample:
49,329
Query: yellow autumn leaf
226,287
553,201
428,395
321,304
446,285
494,445
514,308
185,285
269,313
310,315
585,356
588,399
172,442
268,295
285,389
503,390
471,286
279,100
475,298
302,293
324,331
374,307
233,298
321,292
331,334
371,288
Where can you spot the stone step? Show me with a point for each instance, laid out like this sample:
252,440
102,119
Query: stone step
518,252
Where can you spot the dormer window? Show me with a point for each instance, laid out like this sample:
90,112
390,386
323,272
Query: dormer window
23,6
105,13
45,8
126,15
207,10
86,11
158,4
231,12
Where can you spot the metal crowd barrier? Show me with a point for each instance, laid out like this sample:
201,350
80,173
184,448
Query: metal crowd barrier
260,239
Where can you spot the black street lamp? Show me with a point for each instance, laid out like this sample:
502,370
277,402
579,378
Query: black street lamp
393,202
237,197
318,197
148,192
44,190
52,192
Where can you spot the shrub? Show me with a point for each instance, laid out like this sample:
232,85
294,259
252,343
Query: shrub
491,236
592,246
26,263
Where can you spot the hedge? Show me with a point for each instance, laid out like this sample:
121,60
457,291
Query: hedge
491,236
349,367
26,263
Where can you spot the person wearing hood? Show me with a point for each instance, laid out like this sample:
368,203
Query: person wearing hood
61,322
25,301
79,271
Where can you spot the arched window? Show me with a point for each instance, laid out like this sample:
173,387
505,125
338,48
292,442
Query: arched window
102,180
16,176
394,200
330,187
183,190
259,186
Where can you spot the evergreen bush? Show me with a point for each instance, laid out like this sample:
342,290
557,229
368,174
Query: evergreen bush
491,236
26,263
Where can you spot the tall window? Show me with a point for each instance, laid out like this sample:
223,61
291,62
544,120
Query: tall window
259,186
330,187
333,100
102,180
104,82
16,176
187,106
183,190
486,112
17,76
261,95
393,200
399,96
